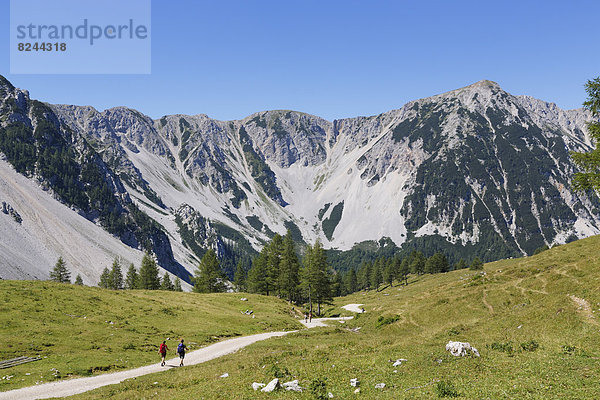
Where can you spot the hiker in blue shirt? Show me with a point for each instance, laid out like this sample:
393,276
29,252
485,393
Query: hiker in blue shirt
181,351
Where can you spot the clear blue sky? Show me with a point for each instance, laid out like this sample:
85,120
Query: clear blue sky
338,59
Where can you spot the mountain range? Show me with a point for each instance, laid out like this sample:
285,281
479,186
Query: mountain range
472,172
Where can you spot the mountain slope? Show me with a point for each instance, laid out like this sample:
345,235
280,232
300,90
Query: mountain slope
474,171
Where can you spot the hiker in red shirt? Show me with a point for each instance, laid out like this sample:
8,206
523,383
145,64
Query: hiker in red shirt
162,350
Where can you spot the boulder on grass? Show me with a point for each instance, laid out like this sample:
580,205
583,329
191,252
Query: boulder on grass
461,349
271,386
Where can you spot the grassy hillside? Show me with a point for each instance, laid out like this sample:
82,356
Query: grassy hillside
80,331
532,319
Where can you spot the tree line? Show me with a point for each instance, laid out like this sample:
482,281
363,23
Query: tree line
147,278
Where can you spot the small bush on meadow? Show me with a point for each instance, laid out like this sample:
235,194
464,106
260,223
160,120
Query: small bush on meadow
446,389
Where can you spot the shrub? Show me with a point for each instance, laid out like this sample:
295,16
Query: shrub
318,388
503,347
381,321
446,389
531,345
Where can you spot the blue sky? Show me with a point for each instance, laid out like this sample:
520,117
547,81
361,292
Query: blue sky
338,59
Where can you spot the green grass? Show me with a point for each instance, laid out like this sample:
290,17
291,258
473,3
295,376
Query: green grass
535,342
81,331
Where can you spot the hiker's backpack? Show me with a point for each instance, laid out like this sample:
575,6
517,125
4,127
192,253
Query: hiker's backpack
162,348
180,348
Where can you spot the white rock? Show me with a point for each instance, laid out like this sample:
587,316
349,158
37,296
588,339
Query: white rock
243,299
379,385
225,375
354,382
274,384
293,386
330,395
357,390
461,349
399,362
257,385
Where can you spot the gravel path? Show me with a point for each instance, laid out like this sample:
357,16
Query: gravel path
353,307
70,387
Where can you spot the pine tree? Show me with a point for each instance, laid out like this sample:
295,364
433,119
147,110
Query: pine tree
589,163
461,264
177,285
273,268
364,275
437,263
78,280
417,262
105,280
166,284
476,264
256,281
239,278
404,270
132,278
389,272
316,279
60,273
116,276
289,268
376,276
351,281
208,277
148,276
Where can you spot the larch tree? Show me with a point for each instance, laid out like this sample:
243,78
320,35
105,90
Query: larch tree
289,268
588,178
208,277
116,276
132,278
60,273
148,276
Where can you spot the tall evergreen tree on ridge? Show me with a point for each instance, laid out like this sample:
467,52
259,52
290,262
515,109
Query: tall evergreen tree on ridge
177,285
289,268
116,276
60,273
376,277
166,283
273,267
132,278
148,276
316,279
105,279
78,280
256,281
589,163
208,277
239,278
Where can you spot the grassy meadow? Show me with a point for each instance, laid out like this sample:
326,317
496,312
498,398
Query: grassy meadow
532,319
81,331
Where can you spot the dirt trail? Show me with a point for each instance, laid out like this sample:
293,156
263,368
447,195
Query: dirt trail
75,386
583,307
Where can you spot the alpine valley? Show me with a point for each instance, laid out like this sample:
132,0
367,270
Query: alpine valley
471,172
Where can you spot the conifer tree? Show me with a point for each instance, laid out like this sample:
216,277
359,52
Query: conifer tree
78,280
436,263
60,273
148,276
404,270
476,264
116,276
589,163
273,267
105,280
132,278
177,285
461,264
316,279
165,283
376,276
208,277
239,278
389,272
364,275
256,281
351,282
289,268
417,262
